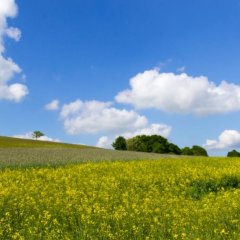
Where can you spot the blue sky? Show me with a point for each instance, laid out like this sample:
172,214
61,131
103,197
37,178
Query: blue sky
121,68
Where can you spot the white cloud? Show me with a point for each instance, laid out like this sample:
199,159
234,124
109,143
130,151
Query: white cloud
153,129
164,64
181,93
94,117
8,69
52,106
227,139
13,33
8,8
29,136
105,142
181,69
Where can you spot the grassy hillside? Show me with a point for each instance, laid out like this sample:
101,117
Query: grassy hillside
32,157
18,153
10,142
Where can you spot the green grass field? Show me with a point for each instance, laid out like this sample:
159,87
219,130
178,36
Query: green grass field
9,142
88,193
22,153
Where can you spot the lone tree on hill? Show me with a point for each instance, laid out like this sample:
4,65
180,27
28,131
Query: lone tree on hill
37,134
120,143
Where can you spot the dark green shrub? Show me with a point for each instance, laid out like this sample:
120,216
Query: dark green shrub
233,153
199,151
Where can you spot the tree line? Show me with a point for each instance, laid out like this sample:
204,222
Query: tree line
155,144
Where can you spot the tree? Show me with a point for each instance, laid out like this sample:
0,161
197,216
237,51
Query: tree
174,149
187,151
153,143
199,151
158,147
233,153
120,143
138,143
37,134
158,144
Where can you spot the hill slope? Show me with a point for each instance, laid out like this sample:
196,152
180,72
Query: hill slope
15,152
10,142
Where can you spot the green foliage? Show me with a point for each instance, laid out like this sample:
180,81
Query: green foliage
159,147
194,151
138,144
174,149
199,151
143,143
199,188
37,134
233,153
154,143
120,143
187,151
159,144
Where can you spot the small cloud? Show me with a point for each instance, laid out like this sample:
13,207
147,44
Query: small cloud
181,69
105,142
52,106
228,139
13,33
163,64
152,129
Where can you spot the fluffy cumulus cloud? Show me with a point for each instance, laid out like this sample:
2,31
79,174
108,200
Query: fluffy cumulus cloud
8,69
227,139
29,135
97,117
180,93
94,117
52,106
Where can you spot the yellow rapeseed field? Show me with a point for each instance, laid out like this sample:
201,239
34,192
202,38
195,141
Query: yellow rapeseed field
177,198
